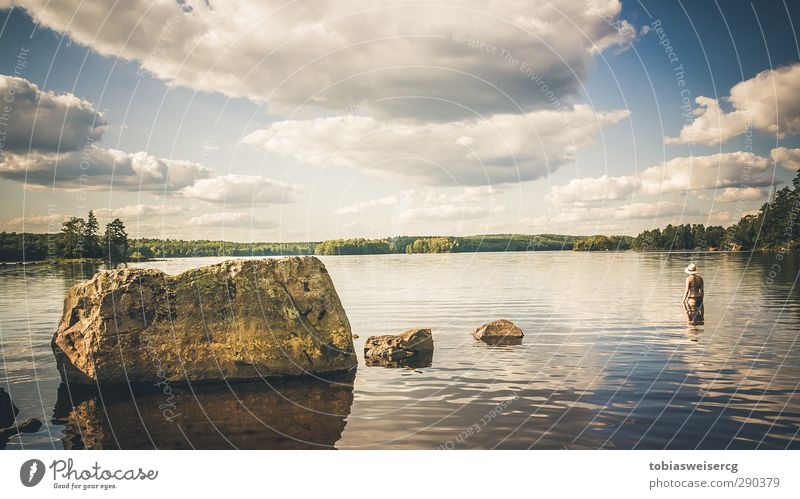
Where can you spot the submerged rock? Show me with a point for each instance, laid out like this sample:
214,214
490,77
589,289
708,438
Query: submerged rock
501,331
240,319
8,411
412,347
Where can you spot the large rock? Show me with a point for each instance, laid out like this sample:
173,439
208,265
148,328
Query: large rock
413,348
240,319
500,331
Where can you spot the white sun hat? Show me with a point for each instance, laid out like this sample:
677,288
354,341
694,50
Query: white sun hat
691,269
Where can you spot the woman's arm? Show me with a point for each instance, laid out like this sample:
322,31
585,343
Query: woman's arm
686,290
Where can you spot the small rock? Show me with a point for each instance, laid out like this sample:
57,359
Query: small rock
8,411
355,336
390,349
500,331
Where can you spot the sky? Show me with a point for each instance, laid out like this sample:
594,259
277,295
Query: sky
294,121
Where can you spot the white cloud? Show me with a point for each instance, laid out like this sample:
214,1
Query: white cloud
723,218
100,169
444,212
687,173
732,194
730,169
132,215
49,143
788,158
231,219
469,194
97,169
75,163
240,189
469,203
596,218
711,125
621,38
587,190
333,53
658,209
767,103
359,208
44,121
425,210
501,148
35,223
139,211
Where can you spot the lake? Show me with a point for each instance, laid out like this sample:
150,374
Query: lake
607,361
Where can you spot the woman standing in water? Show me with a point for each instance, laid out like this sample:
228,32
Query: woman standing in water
693,296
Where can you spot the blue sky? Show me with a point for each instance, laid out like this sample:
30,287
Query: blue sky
276,121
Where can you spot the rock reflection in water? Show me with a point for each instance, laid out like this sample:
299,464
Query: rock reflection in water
289,414
501,340
417,361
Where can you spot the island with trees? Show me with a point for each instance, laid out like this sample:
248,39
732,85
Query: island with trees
79,240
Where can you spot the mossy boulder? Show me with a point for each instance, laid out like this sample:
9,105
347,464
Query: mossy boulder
240,319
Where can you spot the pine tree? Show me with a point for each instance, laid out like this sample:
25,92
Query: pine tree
91,237
116,241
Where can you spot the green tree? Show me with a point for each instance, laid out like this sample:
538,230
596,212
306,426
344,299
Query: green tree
72,238
116,241
91,237
744,234
714,236
699,236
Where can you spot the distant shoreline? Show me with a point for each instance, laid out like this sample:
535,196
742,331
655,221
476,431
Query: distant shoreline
99,261
30,247
68,246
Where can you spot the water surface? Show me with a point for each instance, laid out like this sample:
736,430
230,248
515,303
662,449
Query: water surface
608,360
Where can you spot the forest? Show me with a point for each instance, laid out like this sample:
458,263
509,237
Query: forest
447,244
773,228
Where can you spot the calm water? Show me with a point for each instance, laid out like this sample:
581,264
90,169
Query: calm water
607,361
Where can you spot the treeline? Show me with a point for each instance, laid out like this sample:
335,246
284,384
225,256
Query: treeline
177,248
357,246
603,243
78,239
774,227
446,244
682,237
